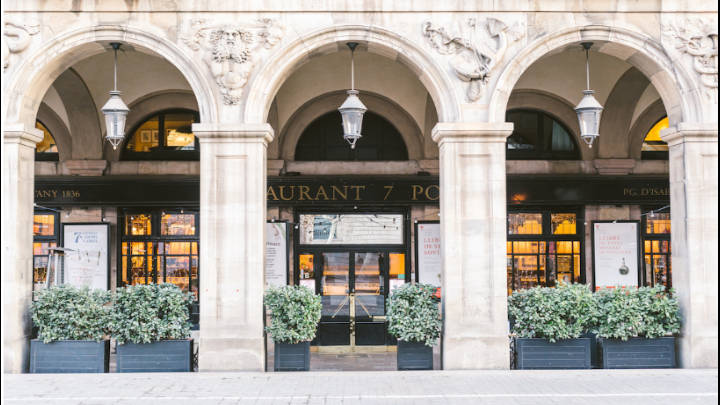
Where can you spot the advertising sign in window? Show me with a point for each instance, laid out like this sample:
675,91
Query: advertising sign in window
615,254
427,250
86,257
276,254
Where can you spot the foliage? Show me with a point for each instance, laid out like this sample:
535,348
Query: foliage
295,313
554,313
413,315
648,312
66,312
149,313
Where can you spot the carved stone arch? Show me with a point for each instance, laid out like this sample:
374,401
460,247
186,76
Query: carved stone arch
554,105
83,119
146,106
318,106
649,117
58,129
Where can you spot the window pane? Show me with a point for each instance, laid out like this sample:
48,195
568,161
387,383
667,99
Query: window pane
178,131
397,270
177,271
525,131
47,145
356,229
525,271
564,247
658,223
44,224
307,271
138,224
653,142
145,138
139,271
177,224
177,248
563,224
528,247
41,248
561,140
525,224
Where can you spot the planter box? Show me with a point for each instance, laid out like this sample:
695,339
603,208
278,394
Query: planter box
539,354
162,356
639,353
292,357
414,356
69,356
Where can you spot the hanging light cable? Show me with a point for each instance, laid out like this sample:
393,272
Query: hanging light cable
589,109
352,109
115,110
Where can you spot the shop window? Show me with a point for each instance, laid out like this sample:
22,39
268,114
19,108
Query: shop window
323,140
653,146
45,150
164,136
543,247
656,248
45,236
161,246
538,136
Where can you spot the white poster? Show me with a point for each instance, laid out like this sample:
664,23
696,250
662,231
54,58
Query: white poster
275,254
615,254
429,261
86,262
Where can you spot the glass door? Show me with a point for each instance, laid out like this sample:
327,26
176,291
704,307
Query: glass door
368,316
335,289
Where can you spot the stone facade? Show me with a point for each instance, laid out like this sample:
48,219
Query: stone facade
445,73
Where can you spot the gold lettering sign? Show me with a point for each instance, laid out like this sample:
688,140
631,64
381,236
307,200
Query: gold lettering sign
45,194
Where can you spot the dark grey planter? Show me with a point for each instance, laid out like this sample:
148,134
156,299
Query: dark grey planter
69,356
292,356
414,356
162,356
541,354
639,353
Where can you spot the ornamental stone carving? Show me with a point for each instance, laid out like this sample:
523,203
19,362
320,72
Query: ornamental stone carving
17,39
699,39
475,49
229,51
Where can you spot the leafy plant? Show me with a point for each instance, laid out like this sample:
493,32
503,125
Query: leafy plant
149,313
413,315
553,313
66,312
648,312
295,313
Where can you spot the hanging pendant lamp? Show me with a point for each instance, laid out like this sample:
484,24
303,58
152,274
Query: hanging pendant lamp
589,109
352,109
115,110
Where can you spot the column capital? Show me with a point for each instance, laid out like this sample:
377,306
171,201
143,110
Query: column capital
233,132
22,134
690,132
461,132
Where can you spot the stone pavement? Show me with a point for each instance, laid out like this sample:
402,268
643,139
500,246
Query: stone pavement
636,387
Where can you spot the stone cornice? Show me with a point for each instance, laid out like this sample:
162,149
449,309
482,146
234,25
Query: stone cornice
463,132
241,132
684,132
20,134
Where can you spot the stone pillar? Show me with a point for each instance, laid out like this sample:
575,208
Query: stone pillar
232,235
17,225
473,225
694,238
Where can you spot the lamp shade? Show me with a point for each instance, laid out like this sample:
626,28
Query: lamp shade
352,111
588,112
115,112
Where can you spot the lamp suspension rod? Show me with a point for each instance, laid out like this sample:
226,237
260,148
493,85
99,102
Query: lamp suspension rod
116,46
587,46
352,46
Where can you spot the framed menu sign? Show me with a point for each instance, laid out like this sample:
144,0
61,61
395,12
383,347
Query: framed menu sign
427,253
276,254
616,253
86,257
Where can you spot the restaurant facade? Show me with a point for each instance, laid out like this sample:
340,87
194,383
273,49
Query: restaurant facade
471,174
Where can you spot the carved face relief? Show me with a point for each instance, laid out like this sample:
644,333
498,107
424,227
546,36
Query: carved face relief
699,39
17,39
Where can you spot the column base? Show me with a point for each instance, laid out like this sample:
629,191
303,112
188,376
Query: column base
476,353
231,354
698,352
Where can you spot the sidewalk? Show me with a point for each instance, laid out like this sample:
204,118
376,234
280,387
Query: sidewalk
636,387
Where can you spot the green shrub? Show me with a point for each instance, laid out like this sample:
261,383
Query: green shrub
149,313
69,313
413,315
294,311
553,313
648,312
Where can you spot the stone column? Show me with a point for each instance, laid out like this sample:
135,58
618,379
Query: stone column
473,225
694,238
17,225
232,235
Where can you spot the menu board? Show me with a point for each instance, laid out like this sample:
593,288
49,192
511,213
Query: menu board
615,254
427,249
276,261
86,257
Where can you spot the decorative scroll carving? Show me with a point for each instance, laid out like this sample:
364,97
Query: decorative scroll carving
17,39
476,49
229,49
699,39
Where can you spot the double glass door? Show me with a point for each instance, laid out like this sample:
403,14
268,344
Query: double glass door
353,285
